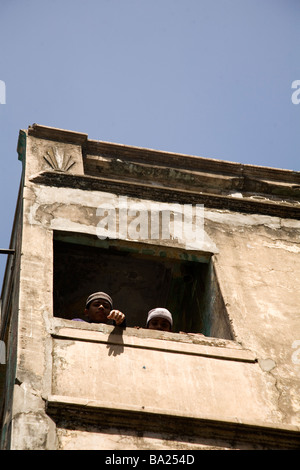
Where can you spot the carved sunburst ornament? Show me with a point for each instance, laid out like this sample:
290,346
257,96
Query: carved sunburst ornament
58,160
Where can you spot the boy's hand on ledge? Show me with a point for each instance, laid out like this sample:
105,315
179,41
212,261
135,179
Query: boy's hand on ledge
117,316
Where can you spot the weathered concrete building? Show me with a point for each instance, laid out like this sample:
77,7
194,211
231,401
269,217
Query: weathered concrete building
215,242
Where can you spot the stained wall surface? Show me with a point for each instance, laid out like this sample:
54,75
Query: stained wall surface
226,377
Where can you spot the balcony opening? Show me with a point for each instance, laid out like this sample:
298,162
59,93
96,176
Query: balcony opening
138,277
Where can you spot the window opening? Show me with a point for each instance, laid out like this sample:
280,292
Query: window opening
137,281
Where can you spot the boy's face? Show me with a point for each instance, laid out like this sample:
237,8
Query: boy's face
159,323
98,311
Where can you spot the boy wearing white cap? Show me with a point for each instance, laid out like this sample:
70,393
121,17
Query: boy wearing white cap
159,319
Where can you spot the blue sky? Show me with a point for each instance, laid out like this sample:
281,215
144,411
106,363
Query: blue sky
210,78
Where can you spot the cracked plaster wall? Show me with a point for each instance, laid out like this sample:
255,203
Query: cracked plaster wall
256,259
257,267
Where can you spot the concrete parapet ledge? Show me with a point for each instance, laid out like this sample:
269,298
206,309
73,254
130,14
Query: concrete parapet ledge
160,175
265,435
